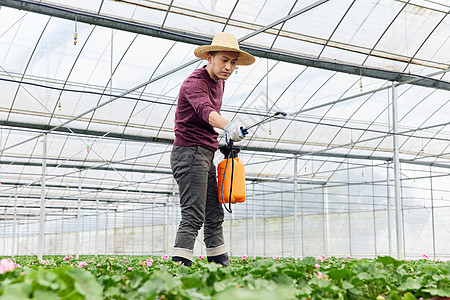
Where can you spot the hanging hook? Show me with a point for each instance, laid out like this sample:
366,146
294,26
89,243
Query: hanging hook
75,34
360,80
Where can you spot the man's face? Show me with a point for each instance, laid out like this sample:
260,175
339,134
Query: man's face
222,64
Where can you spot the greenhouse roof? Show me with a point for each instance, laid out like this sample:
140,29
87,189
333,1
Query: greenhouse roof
105,102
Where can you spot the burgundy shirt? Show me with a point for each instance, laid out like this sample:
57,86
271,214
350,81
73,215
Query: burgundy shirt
199,96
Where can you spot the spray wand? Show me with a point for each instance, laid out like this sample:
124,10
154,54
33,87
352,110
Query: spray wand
245,130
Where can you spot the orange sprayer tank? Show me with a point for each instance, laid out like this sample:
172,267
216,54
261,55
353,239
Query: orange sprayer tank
238,191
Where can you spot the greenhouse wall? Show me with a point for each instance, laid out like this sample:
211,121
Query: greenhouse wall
273,236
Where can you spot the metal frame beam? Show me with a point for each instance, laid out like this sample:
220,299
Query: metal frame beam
152,139
190,38
87,188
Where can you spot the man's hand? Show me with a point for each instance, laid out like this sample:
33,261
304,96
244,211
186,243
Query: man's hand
234,132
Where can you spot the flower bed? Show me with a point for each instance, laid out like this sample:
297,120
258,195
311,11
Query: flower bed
138,277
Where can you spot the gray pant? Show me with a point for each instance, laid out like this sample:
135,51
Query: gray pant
195,173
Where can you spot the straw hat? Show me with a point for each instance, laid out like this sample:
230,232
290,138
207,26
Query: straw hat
224,41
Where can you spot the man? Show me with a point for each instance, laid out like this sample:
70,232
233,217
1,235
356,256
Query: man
197,113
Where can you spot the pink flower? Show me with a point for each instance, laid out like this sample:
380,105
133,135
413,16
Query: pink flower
71,265
130,269
319,274
164,257
98,265
149,262
200,257
82,264
43,262
425,256
7,265
348,256
325,257
320,258
244,257
274,257
68,257
316,266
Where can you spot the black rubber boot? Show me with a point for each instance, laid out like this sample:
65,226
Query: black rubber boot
220,259
183,260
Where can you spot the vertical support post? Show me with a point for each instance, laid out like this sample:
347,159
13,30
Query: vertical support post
14,224
432,215
348,208
124,222
374,213
4,233
295,206
166,224
264,220
326,223
397,191
28,232
174,221
115,232
41,240
62,234
302,222
254,219
77,237
388,196
106,228
153,230
282,221
96,224
143,229
132,230
246,227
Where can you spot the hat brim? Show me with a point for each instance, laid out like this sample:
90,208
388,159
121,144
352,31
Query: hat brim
244,58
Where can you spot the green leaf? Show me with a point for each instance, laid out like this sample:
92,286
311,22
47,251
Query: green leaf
192,281
410,284
364,276
409,296
44,295
112,292
309,261
280,293
438,292
347,285
135,281
393,296
338,274
223,285
386,260
159,283
294,274
17,291
47,279
86,284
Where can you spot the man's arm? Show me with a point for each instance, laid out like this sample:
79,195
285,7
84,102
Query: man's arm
232,129
216,120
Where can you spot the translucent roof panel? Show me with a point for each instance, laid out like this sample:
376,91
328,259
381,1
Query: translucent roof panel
107,103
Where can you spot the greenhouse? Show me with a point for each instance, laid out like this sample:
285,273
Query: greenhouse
359,166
